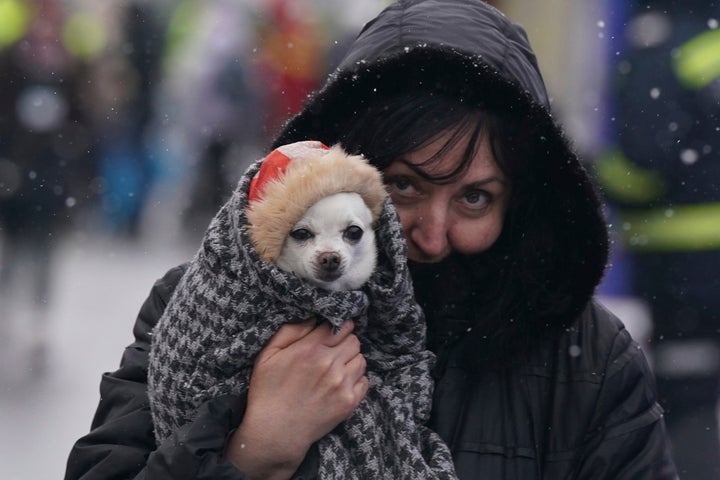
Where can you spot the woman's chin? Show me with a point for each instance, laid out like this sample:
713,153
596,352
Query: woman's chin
417,257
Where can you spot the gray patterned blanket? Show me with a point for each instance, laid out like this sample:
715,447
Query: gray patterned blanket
229,304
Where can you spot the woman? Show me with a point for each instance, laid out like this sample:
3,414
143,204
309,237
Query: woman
506,241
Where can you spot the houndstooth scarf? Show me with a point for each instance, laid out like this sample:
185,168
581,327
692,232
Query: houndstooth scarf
229,304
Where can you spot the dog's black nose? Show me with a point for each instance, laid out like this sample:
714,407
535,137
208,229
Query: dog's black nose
329,261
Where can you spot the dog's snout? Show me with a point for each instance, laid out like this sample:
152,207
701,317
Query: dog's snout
329,261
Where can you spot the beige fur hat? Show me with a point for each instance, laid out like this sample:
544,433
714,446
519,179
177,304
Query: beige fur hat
295,176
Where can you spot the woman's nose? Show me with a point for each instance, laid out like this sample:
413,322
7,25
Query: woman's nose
429,232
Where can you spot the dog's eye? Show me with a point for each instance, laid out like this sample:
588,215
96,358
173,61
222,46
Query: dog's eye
353,233
301,234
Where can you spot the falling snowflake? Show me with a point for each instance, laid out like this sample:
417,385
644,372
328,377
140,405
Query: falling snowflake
689,156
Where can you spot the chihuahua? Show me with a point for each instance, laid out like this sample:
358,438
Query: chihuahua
333,244
312,211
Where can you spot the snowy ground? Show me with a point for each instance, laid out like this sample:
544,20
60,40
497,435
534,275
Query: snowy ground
99,285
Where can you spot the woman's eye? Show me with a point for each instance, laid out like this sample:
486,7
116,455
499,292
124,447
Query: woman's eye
476,198
353,233
401,185
301,234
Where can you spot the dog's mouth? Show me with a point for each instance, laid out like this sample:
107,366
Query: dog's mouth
325,276
329,280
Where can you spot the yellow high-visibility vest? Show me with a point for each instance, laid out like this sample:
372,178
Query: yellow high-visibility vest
696,63
15,16
679,228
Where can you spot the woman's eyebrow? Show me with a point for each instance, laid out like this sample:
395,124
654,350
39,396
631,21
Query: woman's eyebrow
486,181
415,169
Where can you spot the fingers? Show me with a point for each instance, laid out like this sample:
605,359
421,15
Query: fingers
356,367
361,388
344,344
358,382
347,350
325,335
306,381
308,336
291,333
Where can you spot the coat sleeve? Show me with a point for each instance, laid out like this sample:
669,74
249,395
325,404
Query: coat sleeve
627,438
121,443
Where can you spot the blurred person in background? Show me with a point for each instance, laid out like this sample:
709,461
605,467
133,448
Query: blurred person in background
663,181
120,100
506,241
232,72
207,109
292,58
235,71
46,157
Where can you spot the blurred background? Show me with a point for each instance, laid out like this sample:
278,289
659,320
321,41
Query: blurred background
124,125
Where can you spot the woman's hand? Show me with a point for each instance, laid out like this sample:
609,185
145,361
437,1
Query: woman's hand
304,383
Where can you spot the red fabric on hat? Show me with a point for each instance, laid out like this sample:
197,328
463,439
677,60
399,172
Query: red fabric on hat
274,165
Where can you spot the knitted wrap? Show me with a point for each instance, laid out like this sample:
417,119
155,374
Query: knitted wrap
229,304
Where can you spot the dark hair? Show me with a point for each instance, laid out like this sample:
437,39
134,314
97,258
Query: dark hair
393,126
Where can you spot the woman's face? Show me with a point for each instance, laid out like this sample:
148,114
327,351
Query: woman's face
463,216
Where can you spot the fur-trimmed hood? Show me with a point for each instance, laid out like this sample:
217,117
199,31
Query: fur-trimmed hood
470,50
294,177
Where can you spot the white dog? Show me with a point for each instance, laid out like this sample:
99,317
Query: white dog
312,211
333,244
320,213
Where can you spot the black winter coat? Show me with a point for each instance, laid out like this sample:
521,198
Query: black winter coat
583,407
549,384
